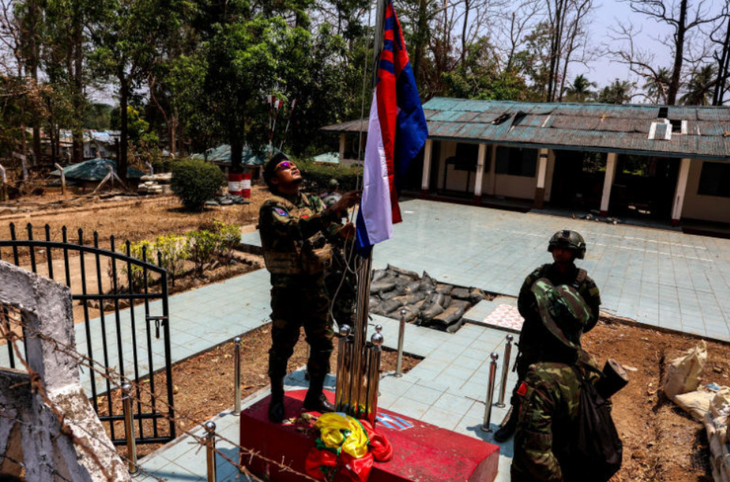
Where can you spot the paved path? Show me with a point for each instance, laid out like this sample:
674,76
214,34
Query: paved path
658,277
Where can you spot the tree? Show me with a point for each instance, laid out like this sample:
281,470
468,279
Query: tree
481,78
566,20
243,58
126,37
617,93
723,60
685,19
657,85
580,89
701,86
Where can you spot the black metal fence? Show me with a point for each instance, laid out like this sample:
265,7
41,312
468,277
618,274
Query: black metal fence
132,326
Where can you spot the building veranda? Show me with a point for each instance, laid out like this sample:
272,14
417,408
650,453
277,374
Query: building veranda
666,164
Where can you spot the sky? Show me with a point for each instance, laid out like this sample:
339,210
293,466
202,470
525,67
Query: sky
605,70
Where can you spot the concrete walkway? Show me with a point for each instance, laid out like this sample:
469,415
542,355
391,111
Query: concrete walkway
658,277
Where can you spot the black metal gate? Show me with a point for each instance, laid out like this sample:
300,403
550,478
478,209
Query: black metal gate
131,334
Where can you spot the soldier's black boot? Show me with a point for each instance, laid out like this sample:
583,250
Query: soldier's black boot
316,401
508,427
276,403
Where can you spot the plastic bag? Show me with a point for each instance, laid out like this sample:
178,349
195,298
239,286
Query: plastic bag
683,373
339,430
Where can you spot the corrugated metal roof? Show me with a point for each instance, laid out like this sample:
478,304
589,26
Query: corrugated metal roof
601,127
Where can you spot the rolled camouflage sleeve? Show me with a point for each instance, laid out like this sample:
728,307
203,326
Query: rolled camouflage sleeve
533,453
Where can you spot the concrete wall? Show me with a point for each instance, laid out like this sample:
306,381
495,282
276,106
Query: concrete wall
49,424
705,208
519,187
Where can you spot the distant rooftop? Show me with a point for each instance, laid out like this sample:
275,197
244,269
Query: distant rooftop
94,170
672,131
222,155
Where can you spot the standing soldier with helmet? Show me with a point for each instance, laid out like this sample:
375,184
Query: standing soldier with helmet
566,246
549,444
295,230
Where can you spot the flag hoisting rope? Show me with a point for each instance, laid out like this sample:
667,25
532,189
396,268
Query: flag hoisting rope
397,132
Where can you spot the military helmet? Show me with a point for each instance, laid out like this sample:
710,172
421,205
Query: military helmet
568,239
563,311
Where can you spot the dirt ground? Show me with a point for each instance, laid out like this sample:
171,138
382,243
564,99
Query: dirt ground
661,442
125,218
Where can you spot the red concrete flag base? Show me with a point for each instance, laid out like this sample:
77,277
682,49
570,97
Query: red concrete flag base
421,452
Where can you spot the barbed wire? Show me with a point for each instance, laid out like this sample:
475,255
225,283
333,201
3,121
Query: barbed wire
117,379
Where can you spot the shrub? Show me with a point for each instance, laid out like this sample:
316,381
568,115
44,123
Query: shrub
194,182
173,251
202,246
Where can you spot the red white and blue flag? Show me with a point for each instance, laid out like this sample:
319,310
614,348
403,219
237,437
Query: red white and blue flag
397,132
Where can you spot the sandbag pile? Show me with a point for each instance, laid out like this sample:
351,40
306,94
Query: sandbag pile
426,301
709,404
716,421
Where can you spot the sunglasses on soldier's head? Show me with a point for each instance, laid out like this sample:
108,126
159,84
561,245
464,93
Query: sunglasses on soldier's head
284,165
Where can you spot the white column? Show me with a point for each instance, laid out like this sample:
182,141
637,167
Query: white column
480,171
680,191
542,158
608,182
426,176
343,142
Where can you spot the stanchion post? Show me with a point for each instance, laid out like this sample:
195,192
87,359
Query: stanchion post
490,393
210,450
401,336
505,370
237,374
127,408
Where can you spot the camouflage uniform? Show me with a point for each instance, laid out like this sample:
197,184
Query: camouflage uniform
294,235
550,397
533,331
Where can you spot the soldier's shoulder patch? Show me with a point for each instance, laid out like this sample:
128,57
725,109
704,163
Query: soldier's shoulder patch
281,211
522,390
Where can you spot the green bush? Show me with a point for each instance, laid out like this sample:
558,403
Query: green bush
173,251
194,182
320,175
202,246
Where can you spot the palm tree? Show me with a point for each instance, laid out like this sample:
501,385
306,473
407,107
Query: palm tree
579,90
617,93
657,86
701,86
